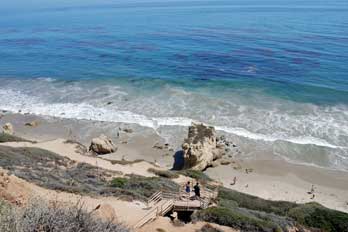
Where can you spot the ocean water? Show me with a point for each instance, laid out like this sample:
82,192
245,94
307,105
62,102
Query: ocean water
271,74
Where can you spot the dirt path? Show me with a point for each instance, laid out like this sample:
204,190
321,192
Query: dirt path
18,191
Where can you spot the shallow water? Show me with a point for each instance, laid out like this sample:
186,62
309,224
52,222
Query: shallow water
272,75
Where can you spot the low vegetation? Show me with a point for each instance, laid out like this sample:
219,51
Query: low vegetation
125,162
44,217
164,173
315,215
234,209
197,175
139,187
4,138
255,203
249,213
55,172
233,218
51,171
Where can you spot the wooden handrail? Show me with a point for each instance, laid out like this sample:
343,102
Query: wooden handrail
155,197
169,198
142,221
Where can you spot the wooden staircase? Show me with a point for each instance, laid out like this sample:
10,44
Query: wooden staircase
160,206
161,203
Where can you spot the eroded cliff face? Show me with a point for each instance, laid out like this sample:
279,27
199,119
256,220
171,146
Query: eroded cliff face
201,148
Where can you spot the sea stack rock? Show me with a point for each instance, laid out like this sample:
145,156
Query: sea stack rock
8,129
102,145
200,149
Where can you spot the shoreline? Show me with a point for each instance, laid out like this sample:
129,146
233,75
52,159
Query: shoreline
273,179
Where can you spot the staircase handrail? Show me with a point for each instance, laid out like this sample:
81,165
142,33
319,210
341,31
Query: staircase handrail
142,221
157,196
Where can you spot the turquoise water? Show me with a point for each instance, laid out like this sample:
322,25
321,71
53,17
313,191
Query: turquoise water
272,74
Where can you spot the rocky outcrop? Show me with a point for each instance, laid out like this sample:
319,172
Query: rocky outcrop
201,148
102,145
106,212
8,129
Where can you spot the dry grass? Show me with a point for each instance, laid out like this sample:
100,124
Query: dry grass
55,172
39,216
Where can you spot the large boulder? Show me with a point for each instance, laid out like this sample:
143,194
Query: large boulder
105,212
8,129
102,145
200,149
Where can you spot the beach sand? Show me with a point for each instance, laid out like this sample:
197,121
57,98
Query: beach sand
269,179
280,180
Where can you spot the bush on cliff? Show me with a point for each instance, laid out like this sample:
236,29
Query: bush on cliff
197,175
164,173
44,217
234,219
281,213
4,138
52,171
255,203
140,188
317,216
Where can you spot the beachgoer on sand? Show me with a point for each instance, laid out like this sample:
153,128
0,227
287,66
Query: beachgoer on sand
234,181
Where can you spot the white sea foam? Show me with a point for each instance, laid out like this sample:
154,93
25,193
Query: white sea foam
298,140
15,100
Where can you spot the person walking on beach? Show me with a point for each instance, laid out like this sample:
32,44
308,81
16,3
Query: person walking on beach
234,181
197,190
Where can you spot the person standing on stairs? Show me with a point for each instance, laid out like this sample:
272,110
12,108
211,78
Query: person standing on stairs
197,191
188,188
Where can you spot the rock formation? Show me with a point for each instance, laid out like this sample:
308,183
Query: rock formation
102,145
8,129
201,148
105,211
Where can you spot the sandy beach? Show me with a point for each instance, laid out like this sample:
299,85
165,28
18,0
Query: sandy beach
269,179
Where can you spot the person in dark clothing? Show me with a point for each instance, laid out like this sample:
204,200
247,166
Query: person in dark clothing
197,190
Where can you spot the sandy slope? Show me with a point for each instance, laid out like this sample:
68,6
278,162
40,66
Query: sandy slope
19,191
165,223
59,147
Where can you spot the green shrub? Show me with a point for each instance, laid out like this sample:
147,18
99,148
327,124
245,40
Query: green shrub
140,187
163,173
311,215
4,138
316,216
125,162
227,203
31,164
255,203
197,175
118,182
228,217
